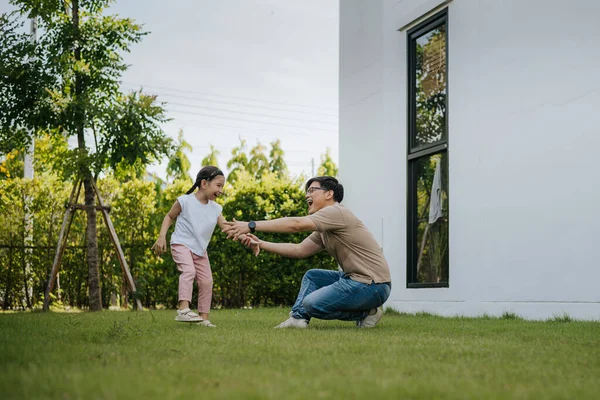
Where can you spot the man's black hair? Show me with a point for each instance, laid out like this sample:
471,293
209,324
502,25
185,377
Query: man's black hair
328,183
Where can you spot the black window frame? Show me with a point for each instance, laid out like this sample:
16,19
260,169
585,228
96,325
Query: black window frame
414,153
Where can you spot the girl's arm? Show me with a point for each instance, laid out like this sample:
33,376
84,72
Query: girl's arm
292,250
161,243
222,222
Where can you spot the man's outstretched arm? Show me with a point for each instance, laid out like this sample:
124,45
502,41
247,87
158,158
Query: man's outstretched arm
279,225
292,250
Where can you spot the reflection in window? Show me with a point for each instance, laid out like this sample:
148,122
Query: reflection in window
430,90
427,158
432,219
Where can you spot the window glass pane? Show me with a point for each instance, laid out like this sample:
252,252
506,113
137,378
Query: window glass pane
431,173
430,68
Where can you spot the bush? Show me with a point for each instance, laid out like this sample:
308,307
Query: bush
244,280
138,208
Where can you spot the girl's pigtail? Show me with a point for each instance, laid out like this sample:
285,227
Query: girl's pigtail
192,189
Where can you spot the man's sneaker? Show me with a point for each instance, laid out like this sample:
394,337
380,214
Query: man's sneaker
187,315
207,323
371,320
292,322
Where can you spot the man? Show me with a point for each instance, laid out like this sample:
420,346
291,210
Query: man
354,294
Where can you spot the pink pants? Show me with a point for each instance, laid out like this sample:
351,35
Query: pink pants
192,266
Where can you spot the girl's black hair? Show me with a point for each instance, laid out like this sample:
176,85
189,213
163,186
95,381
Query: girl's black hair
328,183
207,173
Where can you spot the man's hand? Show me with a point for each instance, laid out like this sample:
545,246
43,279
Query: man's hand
236,228
250,241
160,246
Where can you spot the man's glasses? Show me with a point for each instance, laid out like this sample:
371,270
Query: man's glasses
310,190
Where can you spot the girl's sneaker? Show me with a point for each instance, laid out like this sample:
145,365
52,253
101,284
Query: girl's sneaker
187,315
207,323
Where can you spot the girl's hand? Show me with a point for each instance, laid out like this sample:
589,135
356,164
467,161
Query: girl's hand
236,228
160,246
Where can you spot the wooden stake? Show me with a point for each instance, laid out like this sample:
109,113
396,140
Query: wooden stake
62,241
113,237
64,233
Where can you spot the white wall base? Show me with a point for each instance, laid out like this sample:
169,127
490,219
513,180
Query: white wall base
526,310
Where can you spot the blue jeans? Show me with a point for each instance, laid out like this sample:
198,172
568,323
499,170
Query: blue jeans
326,294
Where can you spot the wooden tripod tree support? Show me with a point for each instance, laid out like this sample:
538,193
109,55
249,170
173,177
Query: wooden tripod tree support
64,233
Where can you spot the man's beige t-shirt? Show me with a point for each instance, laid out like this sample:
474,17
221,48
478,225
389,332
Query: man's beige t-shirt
349,241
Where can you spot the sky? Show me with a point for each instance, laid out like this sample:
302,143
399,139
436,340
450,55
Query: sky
257,70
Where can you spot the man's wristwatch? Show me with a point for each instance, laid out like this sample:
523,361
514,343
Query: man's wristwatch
252,226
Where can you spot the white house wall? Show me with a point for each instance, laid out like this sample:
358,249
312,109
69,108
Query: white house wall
524,137
361,95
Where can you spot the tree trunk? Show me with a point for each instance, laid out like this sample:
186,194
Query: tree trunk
27,251
124,300
91,231
26,274
92,249
58,295
7,300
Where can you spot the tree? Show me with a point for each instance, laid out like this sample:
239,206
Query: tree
51,154
23,78
12,165
67,83
179,164
277,164
327,166
211,158
259,163
238,161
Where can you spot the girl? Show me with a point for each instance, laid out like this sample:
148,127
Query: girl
196,215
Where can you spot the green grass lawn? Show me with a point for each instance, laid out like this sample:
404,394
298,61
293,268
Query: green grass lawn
147,355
